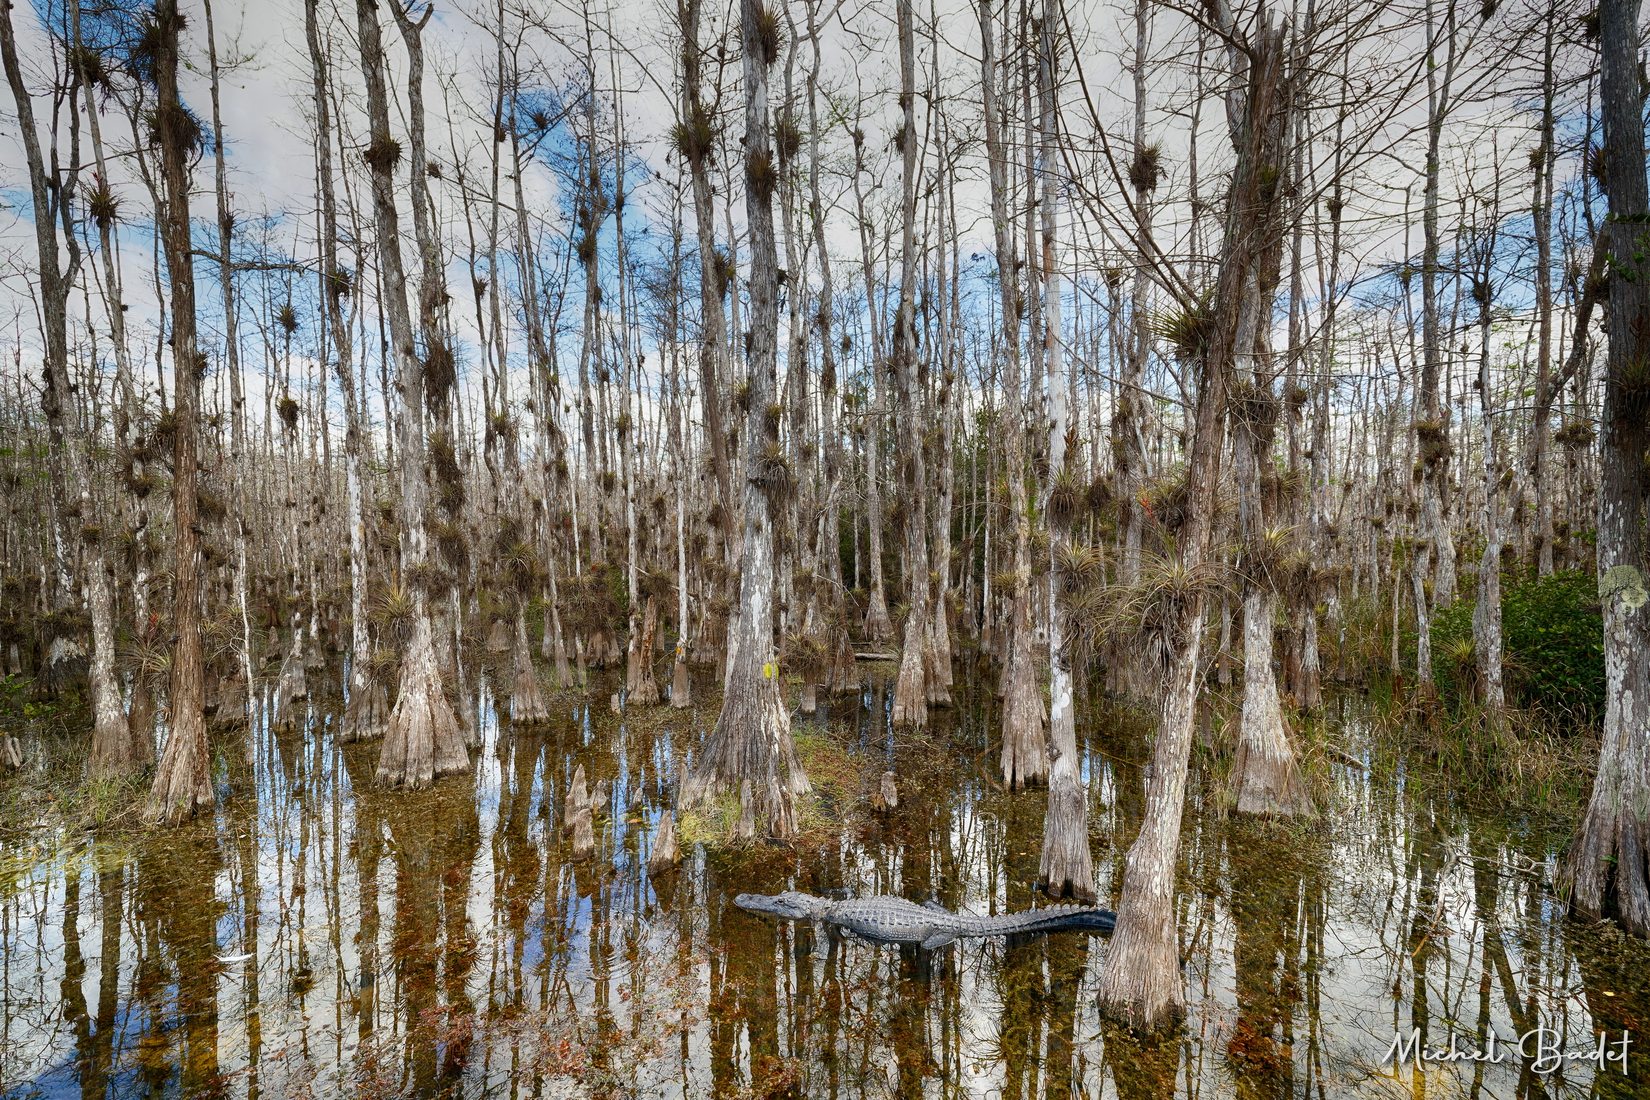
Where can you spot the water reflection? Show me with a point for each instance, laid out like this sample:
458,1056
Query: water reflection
320,937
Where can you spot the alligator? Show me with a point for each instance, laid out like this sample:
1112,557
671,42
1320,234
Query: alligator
884,919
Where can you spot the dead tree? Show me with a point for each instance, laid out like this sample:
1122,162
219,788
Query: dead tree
115,750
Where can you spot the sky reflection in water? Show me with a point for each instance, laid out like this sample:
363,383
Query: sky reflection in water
321,937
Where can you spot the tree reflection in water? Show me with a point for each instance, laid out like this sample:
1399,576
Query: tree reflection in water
446,942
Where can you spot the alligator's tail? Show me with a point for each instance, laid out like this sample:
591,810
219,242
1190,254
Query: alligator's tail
1094,920
1057,918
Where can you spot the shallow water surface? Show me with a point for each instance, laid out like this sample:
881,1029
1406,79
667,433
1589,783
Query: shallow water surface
319,937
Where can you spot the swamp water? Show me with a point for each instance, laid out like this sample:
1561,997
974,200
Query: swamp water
319,937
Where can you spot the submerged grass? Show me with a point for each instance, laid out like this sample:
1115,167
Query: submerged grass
1519,760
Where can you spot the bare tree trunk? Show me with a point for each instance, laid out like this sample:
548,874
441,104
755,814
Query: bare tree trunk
838,646
878,627
641,686
1067,863
1486,613
182,786
751,743
681,680
1432,430
423,739
1024,757
1265,773
367,706
1141,983
1608,870
911,689
232,365
1127,675
1541,216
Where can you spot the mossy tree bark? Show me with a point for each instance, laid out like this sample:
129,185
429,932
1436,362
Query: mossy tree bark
367,705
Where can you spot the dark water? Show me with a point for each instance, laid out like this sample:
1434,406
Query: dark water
322,938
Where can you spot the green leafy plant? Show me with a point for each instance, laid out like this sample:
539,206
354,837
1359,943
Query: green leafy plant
1553,646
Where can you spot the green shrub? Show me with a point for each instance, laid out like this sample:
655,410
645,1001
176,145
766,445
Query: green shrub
1553,648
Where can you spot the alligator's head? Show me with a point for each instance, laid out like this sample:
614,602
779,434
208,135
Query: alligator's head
791,905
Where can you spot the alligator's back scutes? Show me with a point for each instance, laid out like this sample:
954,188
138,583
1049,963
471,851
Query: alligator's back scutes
886,919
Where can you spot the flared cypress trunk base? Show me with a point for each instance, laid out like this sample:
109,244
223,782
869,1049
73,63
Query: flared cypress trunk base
183,784
1067,867
367,711
879,628
1141,983
1024,756
667,852
937,661
911,689
844,674
564,671
423,739
681,684
527,705
116,752
1608,870
641,687
229,705
293,687
751,743
1266,776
